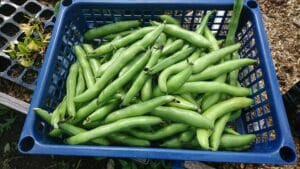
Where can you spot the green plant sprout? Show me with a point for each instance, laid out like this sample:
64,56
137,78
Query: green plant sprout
34,44
7,122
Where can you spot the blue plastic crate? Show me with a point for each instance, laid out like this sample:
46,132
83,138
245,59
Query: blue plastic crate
266,119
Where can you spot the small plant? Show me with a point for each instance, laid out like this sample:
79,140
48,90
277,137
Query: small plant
8,122
34,44
56,7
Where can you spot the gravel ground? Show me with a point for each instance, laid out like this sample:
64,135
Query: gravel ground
282,23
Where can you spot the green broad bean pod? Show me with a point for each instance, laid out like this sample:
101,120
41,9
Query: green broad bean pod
84,64
71,90
138,109
118,64
213,87
123,139
122,42
189,117
168,131
169,19
227,106
213,57
68,128
116,126
217,70
110,29
117,84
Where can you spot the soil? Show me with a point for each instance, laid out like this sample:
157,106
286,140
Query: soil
280,19
15,160
15,90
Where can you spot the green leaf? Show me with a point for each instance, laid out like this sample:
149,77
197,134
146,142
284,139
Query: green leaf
133,166
6,148
26,62
123,163
22,48
56,8
20,55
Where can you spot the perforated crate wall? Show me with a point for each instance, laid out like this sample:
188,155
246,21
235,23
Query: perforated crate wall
13,13
266,118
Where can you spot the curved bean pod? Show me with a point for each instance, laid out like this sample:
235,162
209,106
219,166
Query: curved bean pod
162,133
169,19
118,64
80,87
213,87
157,92
110,29
146,92
188,97
228,130
106,65
164,75
212,98
233,141
178,56
187,136
184,104
173,47
117,126
192,37
59,113
122,42
176,81
222,68
95,64
129,65
213,57
138,109
200,28
234,22
183,116
224,107
172,143
235,115
68,128
233,76
71,90
87,71
217,132
85,111
203,138
101,113
121,34
117,84
72,130
124,139
143,77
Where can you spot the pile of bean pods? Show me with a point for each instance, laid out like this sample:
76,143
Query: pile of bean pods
160,85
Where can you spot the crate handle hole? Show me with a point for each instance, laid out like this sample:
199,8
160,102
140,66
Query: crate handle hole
66,2
287,154
26,144
252,4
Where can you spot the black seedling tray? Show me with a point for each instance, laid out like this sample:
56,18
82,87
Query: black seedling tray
13,13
